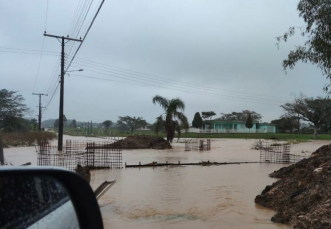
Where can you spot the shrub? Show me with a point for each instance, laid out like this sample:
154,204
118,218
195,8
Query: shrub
26,138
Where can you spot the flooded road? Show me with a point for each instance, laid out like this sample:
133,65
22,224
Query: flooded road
190,196
184,196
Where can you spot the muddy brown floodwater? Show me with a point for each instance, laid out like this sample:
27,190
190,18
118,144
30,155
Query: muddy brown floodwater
186,196
191,196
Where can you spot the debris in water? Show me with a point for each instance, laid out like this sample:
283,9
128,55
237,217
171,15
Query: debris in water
103,188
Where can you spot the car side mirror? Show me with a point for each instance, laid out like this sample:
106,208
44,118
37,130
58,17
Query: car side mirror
46,198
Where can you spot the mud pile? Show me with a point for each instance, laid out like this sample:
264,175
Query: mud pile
144,142
302,196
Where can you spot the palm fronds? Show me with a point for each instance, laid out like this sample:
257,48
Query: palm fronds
174,120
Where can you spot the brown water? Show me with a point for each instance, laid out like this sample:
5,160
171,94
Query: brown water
184,197
190,196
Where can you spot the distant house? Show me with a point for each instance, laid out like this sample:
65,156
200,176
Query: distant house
219,126
145,128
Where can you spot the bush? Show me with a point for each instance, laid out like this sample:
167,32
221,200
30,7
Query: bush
26,138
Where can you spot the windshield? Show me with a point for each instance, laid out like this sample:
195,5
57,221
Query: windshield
203,112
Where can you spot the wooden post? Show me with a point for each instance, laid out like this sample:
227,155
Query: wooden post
87,153
93,153
2,157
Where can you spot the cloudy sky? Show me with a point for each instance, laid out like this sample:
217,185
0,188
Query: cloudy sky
213,54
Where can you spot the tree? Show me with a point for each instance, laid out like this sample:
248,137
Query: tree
316,111
197,120
107,124
73,123
317,31
11,108
326,126
158,125
240,116
34,124
15,124
64,120
121,126
56,123
131,122
286,123
208,114
174,120
249,122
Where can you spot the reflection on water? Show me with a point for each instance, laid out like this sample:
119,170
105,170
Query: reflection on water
186,197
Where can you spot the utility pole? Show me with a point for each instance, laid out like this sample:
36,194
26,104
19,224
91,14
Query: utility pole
40,107
298,123
60,134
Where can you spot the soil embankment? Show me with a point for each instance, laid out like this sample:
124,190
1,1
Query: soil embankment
144,142
302,196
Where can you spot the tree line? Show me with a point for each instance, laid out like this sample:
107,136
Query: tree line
313,113
12,112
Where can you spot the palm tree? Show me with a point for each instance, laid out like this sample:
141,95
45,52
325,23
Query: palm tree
174,120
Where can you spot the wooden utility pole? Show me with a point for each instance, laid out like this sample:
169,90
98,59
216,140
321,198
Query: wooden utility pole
298,123
62,41
40,107
2,157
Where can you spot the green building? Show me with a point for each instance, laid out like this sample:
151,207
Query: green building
220,126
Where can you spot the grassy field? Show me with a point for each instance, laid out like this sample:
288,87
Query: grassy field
278,136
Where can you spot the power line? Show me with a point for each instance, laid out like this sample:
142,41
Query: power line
85,17
29,53
46,16
53,77
51,98
82,61
75,16
42,48
177,89
137,79
34,51
96,14
157,81
73,28
138,75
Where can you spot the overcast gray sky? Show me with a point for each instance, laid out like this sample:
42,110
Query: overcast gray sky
215,55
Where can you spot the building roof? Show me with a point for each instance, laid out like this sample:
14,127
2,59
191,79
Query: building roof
240,121
230,121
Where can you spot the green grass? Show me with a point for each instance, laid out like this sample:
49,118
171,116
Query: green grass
278,136
293,138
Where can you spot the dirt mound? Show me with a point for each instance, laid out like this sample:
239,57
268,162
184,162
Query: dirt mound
302,197
144,142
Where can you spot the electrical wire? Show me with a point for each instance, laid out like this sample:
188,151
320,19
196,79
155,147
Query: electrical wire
85,35
41,52
156,83
178,89
140,75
